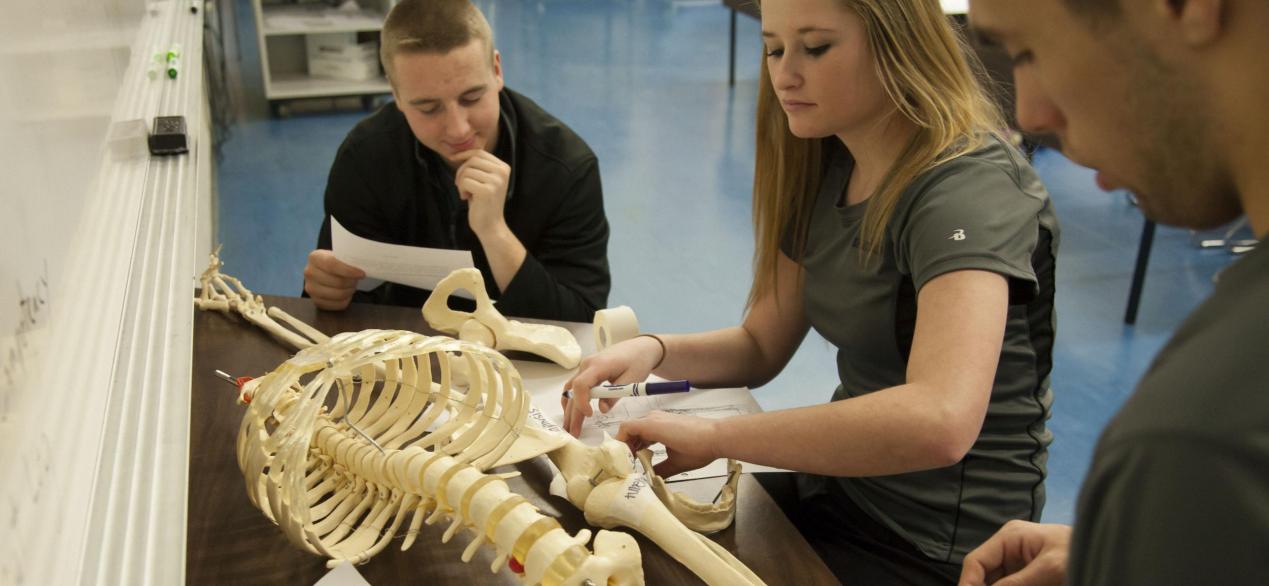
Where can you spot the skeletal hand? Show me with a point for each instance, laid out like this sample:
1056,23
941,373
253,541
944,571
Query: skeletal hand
628,362
482,182
1021,553
689,441
330,281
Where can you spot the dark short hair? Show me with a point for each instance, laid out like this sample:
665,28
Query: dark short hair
431,26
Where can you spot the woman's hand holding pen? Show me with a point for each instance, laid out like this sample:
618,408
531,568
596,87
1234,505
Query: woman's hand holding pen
627,362
690,442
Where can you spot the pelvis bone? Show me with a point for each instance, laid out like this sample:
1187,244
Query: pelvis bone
704,518
488,327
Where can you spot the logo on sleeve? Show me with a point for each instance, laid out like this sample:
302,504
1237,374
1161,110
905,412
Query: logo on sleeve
958,234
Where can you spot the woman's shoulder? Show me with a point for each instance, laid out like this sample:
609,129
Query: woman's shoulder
991,154
992,163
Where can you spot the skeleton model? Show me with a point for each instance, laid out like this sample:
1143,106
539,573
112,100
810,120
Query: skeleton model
355,433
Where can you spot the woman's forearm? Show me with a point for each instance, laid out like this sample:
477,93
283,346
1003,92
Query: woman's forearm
730,357
890,431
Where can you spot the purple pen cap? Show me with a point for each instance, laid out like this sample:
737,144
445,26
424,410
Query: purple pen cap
674,386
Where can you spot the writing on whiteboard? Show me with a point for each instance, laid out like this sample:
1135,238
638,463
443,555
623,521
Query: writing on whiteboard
15,349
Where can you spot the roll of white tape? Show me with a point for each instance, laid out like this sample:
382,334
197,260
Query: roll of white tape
614,325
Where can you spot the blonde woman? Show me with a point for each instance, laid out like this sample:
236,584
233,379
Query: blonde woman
891,218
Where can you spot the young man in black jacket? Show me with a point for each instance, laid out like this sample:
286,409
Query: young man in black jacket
460,162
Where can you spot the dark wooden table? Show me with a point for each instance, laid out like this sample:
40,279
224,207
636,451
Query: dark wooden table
229,541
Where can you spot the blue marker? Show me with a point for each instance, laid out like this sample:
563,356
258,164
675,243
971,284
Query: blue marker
636,389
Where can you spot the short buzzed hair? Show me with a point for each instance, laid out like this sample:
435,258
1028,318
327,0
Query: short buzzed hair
431,26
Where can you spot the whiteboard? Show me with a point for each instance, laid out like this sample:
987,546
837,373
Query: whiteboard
60,68
97,256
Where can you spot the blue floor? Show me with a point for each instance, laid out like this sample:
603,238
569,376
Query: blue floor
645,83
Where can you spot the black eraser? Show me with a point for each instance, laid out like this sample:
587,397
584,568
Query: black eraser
168,136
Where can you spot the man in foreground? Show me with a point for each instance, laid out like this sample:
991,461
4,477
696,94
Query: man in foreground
1165,98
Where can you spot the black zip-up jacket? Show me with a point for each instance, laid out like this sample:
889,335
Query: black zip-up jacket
386,186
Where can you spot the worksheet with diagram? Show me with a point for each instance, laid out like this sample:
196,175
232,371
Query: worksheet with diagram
545,383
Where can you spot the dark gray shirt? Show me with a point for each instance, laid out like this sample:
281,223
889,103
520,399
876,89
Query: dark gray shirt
1178,491
986,210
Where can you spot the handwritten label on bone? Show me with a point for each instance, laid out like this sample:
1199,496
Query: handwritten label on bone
630,507
541,419
636,487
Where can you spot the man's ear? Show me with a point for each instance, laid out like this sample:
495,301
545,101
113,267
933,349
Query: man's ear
497,68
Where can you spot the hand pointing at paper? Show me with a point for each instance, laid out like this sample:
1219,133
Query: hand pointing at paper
330,281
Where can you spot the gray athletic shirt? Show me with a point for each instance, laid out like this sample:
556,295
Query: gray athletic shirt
1178,491
986,210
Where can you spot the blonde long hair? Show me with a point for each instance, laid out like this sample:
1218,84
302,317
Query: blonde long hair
934,80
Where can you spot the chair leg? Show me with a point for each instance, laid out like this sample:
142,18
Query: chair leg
731,57
1139,273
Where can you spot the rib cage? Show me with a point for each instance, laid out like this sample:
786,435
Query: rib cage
443,411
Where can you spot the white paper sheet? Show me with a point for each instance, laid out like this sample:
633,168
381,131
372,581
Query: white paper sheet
408,265
545,383
713,404
344,574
